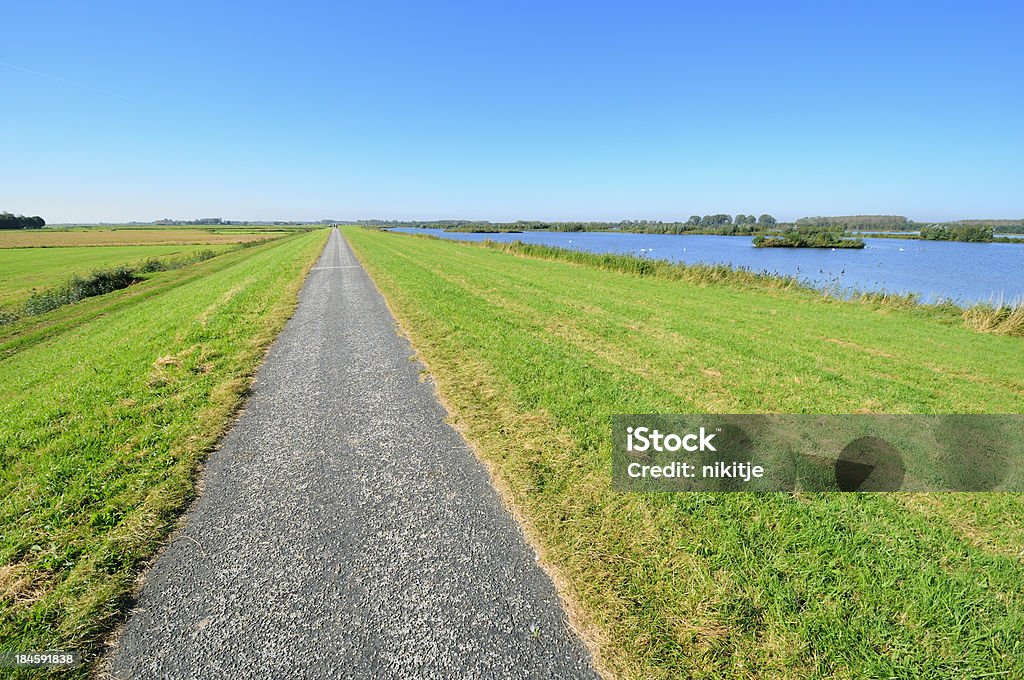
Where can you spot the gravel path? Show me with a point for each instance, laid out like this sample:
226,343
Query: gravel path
344,529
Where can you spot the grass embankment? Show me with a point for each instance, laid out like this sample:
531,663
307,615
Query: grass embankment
1000,318
533,357
106,407
26,268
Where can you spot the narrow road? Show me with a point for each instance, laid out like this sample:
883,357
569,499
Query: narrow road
344,530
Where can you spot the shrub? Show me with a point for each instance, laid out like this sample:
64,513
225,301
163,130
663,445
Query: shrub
100,282
152,265
78,288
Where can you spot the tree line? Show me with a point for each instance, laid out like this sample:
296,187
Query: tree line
901,223
720,223
9,221
880,222
998,226
722,219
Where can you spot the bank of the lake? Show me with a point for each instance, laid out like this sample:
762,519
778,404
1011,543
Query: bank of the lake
964,272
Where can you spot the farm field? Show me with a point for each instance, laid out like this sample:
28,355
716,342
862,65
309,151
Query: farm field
533,357
22,269
97,236
106,407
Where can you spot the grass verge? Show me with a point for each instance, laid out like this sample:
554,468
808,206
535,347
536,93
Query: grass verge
106,407
533,356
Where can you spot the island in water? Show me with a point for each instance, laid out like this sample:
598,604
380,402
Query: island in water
808,237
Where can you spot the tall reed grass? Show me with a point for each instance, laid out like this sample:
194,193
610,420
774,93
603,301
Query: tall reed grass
996,316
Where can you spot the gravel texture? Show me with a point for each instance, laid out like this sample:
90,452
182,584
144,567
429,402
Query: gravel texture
344,529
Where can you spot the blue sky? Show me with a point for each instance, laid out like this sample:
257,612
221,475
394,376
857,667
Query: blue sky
525,110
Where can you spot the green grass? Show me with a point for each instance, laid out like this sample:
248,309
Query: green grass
533,357
27,268
106,407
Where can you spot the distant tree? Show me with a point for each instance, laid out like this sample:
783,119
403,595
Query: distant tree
9,221
766,220
715,220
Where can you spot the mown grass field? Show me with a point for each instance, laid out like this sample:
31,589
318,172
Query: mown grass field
106,407
22,269
96,236
534,356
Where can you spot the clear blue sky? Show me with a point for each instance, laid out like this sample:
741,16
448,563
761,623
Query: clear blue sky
518,110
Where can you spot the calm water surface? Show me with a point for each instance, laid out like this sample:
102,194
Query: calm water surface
964,272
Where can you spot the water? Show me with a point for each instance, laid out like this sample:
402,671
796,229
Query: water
963,272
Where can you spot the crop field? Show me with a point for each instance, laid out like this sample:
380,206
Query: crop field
95,236
533,357
106,407
22,269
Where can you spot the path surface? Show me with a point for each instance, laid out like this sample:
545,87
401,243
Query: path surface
344,529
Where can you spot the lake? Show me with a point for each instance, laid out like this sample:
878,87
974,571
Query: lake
963,272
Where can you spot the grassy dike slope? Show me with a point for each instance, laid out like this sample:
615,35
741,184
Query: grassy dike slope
534,356
27,268
106,407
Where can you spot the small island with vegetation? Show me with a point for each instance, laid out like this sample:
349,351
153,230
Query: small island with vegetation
808,237
967,233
